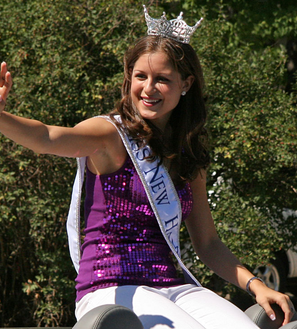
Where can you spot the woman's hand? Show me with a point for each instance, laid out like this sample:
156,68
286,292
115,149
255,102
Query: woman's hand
266,296
218,257
5,85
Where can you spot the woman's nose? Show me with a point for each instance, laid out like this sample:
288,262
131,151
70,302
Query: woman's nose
149,87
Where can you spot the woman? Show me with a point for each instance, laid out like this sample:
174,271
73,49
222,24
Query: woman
125,258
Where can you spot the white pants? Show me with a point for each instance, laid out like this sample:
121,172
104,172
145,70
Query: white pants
182,307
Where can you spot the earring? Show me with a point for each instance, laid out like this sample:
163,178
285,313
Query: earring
183,93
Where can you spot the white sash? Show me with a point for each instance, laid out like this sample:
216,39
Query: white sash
73,219
160,192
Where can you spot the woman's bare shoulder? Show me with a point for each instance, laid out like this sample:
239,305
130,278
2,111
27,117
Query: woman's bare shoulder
111,154
97,126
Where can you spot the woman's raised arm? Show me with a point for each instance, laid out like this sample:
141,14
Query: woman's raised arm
85,139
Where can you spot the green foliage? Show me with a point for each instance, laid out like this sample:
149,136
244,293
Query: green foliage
66,60
253,128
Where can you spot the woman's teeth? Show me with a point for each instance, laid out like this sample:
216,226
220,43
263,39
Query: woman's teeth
151,101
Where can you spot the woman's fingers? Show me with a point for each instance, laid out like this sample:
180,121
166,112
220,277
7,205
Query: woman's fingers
5,84
269,311
288,309
285,304
3,73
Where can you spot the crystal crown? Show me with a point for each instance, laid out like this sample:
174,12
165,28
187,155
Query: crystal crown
176,29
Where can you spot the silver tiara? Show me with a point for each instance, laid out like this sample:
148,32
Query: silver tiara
176,29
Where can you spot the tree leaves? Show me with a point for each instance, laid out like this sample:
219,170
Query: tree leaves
66,60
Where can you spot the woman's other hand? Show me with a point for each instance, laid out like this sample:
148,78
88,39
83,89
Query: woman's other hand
266,296
5,85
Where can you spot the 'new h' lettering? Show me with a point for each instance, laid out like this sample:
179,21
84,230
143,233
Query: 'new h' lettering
162,198
155,171
175,246
171,223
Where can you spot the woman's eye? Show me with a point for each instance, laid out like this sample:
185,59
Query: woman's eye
162,79
140,76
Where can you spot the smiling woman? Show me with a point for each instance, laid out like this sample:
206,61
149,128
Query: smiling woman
146,173
156,87
170,82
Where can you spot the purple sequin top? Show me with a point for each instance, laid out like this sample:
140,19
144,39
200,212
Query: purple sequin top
123,243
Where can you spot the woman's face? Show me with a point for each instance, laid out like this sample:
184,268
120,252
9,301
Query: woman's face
156,87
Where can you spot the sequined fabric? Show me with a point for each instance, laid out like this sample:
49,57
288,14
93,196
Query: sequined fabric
123,243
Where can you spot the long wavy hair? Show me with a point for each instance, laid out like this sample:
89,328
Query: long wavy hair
187,145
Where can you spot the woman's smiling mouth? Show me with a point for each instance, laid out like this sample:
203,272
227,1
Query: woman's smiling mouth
150,101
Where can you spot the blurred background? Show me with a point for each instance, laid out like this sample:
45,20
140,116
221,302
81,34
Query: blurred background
66,59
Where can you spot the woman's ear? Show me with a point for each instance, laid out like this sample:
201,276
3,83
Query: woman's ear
187,83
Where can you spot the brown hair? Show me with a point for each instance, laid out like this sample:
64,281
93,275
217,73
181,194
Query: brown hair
187,145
